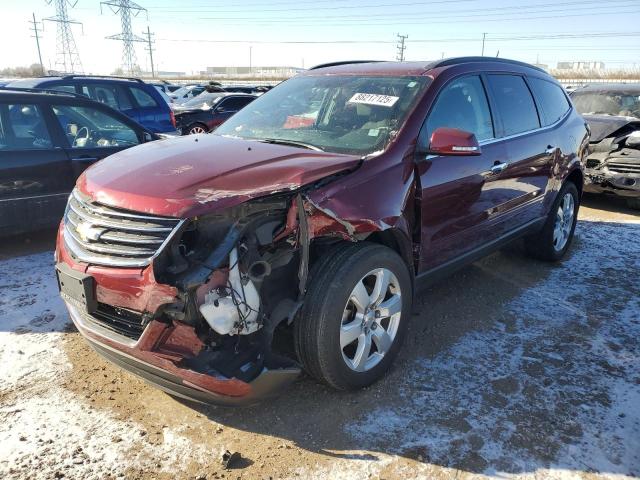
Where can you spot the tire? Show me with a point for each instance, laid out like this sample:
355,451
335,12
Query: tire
545,244
634,203
330,315
197,128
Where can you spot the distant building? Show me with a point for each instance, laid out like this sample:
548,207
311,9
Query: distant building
580,65
165,74
281,71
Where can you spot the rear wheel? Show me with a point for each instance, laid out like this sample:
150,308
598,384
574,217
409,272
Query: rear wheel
355,315
553,241
197,128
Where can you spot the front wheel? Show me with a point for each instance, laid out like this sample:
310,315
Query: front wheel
196,128
355,315
553,241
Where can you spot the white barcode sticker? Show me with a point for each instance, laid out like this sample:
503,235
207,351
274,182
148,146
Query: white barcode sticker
374,99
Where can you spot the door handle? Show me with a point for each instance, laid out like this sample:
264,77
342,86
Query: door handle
498,167
550,150
85,159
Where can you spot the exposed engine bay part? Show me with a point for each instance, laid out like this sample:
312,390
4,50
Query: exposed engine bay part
233,309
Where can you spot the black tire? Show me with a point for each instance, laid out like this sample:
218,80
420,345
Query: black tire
317,328
634,203
541,245
195,127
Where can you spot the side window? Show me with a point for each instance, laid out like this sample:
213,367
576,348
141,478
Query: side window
22,127
234,104
143,98
87,127
515,104
63,88
462,104
551,97
111,95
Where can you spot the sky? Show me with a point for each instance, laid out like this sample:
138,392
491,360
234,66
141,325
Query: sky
193,34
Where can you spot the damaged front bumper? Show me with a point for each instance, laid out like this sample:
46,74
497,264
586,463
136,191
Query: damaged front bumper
156,357
617,176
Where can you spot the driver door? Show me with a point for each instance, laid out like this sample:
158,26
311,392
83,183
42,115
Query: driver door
92,134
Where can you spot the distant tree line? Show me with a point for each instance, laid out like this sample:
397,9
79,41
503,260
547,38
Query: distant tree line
34,70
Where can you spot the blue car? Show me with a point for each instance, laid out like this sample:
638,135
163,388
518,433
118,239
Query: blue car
133,97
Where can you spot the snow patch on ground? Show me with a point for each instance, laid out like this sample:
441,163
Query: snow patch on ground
550,388
46,429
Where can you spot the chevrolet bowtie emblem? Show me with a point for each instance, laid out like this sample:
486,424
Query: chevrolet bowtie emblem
89,232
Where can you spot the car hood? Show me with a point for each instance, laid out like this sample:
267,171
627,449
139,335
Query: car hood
603,126
198,174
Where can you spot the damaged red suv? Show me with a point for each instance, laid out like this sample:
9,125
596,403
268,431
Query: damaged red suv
217,266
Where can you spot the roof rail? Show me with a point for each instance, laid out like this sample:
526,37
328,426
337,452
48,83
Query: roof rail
458,60
344,62
48,91
133,79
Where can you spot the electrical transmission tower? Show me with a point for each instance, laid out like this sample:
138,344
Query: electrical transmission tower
126,9
401,47
67,57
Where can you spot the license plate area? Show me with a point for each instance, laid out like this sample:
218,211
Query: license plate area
77,287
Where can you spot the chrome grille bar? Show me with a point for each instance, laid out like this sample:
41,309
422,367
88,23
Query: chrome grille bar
103,235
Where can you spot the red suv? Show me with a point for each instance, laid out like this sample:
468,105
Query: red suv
216,266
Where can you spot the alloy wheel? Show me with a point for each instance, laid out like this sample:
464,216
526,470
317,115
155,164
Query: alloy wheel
370,320
564,222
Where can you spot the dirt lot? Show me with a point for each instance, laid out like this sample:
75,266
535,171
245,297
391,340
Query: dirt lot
511,368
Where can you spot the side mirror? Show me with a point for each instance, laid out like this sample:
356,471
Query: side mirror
451,141
147,137
220,110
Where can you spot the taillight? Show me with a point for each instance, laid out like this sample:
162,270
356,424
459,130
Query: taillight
173,118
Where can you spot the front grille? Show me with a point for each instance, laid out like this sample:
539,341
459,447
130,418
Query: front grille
125,322
619,167
103,235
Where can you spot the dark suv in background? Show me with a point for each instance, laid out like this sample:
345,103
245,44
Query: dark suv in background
309,216
133,97
47,139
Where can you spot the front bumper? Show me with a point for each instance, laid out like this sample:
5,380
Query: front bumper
156,357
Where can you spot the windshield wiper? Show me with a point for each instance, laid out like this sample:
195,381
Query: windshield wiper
293,143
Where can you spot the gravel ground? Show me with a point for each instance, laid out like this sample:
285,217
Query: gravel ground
512,368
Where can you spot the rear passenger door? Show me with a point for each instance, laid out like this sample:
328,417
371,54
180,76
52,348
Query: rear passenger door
530,151
35,175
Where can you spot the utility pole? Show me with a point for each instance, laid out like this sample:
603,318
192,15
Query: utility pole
67,55
150,50
401,47
250,60
36,30
126,9
484,36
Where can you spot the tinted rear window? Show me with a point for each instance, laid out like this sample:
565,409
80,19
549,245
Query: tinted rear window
235,104
552,98
143,98
515,104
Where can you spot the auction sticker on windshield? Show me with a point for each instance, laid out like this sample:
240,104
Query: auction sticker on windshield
374,99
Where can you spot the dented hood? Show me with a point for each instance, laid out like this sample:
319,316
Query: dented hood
197,174
603,126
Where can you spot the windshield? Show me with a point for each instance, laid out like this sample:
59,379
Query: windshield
205,99
626,104
183,90
341,114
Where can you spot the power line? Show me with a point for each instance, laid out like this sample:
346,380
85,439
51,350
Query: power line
493,38
126,8
67,55
401,47
36,29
